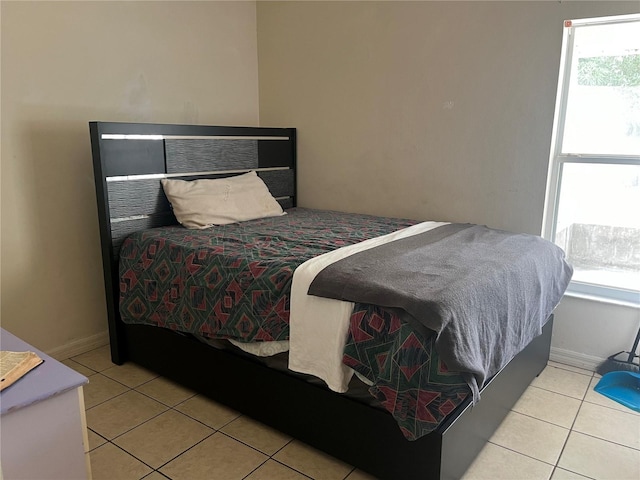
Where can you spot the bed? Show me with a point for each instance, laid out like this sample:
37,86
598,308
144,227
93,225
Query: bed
130,161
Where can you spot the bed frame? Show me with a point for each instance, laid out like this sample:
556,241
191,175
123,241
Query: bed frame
129,159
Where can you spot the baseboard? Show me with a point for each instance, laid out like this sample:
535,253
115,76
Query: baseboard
575,359
80,346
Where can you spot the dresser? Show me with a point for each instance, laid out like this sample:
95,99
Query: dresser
43,431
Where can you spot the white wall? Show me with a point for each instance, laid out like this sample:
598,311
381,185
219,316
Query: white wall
63,65
587,331
429,110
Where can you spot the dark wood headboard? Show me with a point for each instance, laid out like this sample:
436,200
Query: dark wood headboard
130,159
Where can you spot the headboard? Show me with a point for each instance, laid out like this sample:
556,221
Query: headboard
130,159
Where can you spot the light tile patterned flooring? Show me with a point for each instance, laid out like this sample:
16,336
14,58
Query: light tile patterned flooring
143,426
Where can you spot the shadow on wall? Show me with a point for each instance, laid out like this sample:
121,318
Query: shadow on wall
52,274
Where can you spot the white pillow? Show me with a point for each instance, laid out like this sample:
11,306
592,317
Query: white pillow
199,204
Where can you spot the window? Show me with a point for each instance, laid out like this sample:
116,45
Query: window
593,192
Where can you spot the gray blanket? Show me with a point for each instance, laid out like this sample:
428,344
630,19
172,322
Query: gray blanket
487,293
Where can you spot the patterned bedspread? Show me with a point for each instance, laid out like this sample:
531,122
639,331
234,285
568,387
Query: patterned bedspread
233,281
408,377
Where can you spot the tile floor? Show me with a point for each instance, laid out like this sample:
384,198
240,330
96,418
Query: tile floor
143,426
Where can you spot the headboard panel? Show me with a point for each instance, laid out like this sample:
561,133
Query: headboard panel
203,155
142,197
130,159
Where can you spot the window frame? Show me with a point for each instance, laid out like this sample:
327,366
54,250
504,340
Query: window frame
558,159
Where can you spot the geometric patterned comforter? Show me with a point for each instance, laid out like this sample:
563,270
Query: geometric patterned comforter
231,281
409,379
234,281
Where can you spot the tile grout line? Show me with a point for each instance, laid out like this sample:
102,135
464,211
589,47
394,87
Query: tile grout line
278,462
259,466
633,414
132,455
129,386
607,441
216,429
110,398
559,393
96,433
521,454
543,420
561,366
182,453
566,440
160,401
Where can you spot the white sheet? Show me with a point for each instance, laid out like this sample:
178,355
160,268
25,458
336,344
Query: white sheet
318,326
262,349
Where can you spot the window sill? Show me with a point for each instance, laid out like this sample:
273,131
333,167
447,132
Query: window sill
601,299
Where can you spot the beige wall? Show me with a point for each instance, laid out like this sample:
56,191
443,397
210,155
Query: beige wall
63,65
431,110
